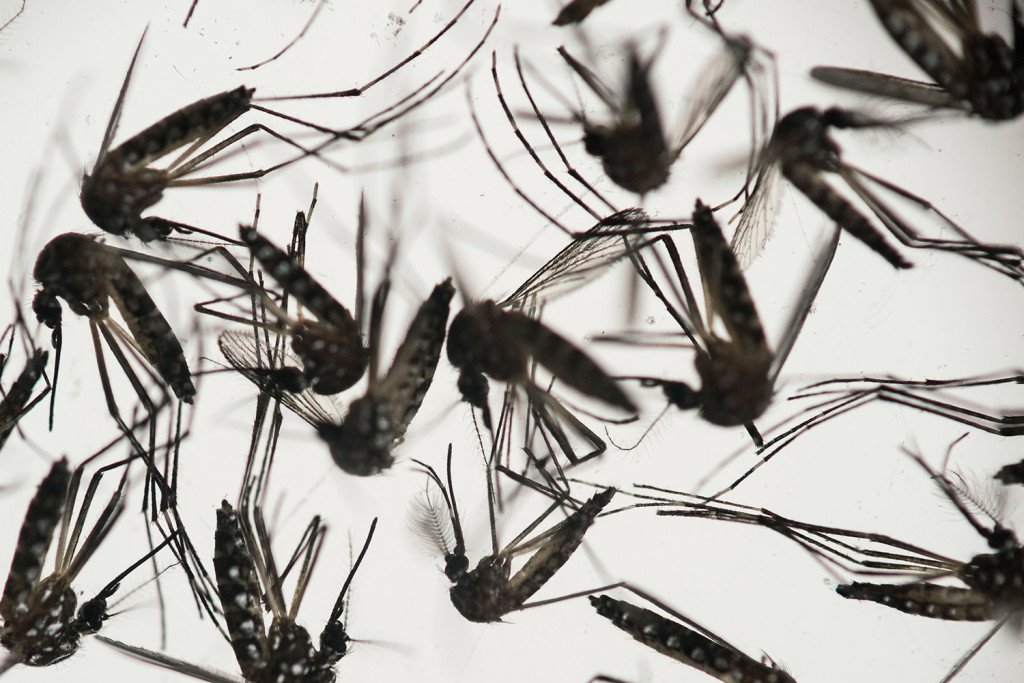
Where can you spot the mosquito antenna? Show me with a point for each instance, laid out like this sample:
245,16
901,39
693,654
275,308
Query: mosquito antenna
313,548
339,604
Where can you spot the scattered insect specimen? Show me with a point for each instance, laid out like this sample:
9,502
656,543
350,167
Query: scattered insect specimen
986,78
247,575
40,624
490,591
498,339
993,580
123,183
803,152
17,399
687,642
737,373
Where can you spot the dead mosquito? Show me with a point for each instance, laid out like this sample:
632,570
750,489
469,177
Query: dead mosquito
123,183
247,576
803,152
41,625
635,150
903,392
993,580
685,641
737,372
490,591
977,73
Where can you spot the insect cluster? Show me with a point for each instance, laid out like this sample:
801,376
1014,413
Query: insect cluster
553,310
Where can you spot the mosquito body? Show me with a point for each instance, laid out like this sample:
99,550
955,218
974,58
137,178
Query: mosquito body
88,275
247,575
635,150
576,11
489,591
802,150
982,74
687,642
331,348
42,621
737,373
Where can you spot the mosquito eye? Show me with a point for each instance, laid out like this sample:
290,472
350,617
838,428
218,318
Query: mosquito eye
455,566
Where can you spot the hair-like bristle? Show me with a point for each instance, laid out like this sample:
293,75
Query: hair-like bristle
429,520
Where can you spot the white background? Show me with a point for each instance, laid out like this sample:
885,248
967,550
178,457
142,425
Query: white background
61,65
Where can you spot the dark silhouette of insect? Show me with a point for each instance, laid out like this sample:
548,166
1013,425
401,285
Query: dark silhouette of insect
17,399
247,575
88,275
635,150
994,581
1011,474
737,373
490,591
41,625
123,183
360,442
802,150
685,641
979,74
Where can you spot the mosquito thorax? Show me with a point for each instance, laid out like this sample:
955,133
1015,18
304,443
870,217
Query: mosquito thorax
334,642
996,78
477,342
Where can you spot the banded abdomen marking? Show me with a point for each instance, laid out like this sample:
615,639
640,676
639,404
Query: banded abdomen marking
41,519
911,31
808,180
239,590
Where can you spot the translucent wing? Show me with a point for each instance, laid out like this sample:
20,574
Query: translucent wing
757,218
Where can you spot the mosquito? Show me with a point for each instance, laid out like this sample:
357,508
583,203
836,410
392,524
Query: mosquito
993,580
490,591
123,183
802,150
635,150
685,641
247,575
737,373
41,626
978,73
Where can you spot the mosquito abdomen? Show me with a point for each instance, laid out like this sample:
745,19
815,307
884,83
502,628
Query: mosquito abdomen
808,180
950,603
911,32
239,591
41,519
686,645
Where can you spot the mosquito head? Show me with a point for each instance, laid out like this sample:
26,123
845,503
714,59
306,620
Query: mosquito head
801,136
1001,538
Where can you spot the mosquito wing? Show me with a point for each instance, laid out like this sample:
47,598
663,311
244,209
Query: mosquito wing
883,85
168,662
757,218
582,260
251,359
